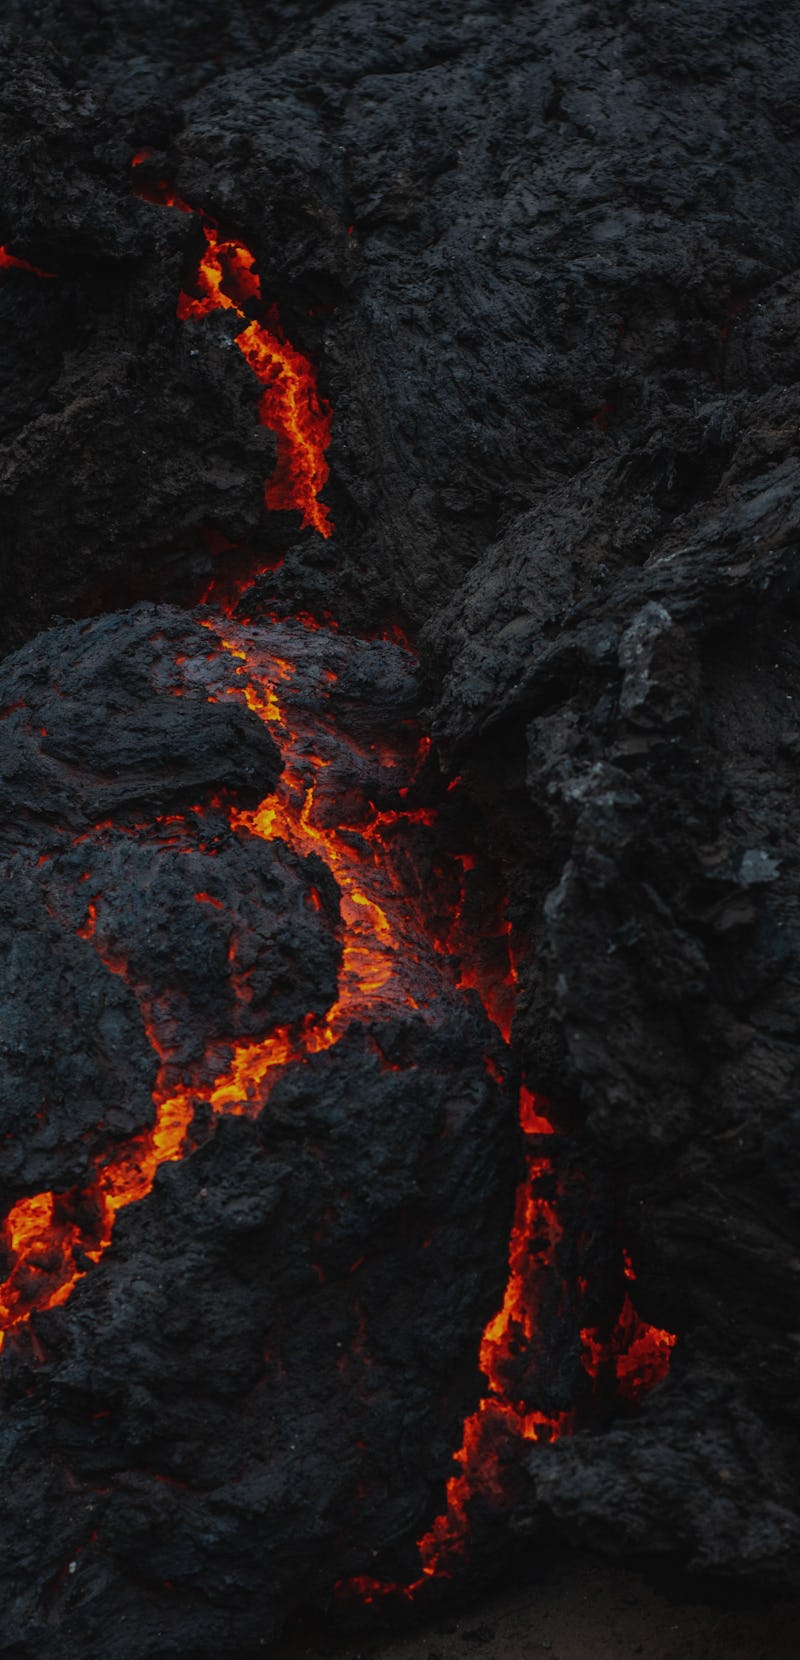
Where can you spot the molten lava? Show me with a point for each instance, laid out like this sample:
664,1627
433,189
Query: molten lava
290,405
634,1354
51,1239
10,262
47,1235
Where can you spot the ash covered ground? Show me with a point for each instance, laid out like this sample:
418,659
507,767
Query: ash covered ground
545,259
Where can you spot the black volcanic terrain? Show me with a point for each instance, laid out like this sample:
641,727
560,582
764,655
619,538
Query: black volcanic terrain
399,743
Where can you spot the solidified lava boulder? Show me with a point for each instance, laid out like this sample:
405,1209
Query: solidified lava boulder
724,1498
117,730
83,733
75,1064
246,1397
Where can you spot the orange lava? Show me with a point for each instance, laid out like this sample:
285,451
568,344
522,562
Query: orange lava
533,1118
290,404
500,1420
382,944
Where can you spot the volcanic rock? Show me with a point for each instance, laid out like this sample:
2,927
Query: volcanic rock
545,261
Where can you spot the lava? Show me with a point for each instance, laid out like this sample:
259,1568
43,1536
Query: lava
493,1432
634,1355
51,1239
290,404
10,262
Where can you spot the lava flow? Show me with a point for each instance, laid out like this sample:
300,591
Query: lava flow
390,961
635,1355
384,952
290,405
10,262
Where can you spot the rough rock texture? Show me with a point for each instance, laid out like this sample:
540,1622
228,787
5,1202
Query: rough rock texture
726,1500
548,257
100,721
59,1098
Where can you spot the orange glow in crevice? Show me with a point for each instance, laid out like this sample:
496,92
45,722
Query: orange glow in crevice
47,1237
494,1432
635,1357
290,404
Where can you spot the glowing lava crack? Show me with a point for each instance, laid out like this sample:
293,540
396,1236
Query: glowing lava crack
290,405
384,955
